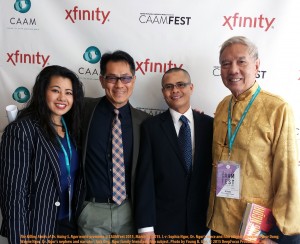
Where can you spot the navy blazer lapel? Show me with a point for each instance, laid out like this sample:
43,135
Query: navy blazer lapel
170,132
52,156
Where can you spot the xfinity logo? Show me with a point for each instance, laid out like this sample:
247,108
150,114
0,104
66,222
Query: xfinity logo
76,14
250,22
25,58
153,67
168,19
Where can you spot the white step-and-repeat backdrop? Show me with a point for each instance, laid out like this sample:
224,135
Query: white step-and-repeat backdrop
159,34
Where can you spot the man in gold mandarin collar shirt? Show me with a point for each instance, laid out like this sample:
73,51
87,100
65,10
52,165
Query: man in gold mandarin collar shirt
264,148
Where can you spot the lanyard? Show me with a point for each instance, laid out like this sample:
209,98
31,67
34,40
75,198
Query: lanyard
68,161
67,158
231,138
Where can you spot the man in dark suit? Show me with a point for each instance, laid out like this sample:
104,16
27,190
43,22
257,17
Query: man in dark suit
102,213
172,193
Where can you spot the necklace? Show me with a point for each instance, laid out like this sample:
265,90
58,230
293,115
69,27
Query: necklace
62,127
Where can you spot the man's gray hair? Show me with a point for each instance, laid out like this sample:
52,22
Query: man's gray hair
253,52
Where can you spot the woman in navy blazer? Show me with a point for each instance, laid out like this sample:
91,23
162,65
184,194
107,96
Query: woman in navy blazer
40,180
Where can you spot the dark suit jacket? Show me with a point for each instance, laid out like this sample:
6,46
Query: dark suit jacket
166,198
137,118
29,182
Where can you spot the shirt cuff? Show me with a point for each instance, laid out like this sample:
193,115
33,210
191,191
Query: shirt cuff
146,229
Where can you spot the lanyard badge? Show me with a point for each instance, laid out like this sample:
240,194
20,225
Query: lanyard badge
229,172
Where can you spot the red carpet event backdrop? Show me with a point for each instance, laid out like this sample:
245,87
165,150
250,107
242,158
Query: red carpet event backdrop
158,34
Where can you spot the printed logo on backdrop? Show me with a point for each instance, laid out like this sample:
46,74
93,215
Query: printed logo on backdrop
260,74
152,111
164,19
148,66
76,14
24,22
22,6
16,58
258,22
91,55
21,94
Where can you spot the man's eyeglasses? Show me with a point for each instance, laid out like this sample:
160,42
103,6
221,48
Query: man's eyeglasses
178,85
114,79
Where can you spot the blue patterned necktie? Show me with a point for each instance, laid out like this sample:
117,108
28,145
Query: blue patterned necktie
185,143
118,168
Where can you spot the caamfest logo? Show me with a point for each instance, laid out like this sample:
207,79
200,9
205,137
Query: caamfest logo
22,6
217,72
152,111
155,66
258,22
77,14
91,55
164,19
27,58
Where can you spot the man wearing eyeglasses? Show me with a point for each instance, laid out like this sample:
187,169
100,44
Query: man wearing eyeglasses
110,147
172,180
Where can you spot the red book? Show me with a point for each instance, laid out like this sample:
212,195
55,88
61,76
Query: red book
257,221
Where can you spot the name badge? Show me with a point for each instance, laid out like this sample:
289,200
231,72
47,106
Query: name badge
228,179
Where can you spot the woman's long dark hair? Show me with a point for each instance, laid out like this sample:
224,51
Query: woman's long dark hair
38,109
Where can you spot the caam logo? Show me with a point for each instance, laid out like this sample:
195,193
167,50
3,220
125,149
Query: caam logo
237,21
77,14
91,55
164,19
27,58
155,67
22,6
217,72
21,94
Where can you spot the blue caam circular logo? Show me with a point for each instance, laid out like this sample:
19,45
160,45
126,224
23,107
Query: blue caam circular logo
22,6
21,94
92,55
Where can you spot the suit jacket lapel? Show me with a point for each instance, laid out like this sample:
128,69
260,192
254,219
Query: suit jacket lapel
136,122
170,132
89,109
198,140
52,155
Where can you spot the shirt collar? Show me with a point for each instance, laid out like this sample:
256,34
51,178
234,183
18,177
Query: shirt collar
176,116
246,94
123,110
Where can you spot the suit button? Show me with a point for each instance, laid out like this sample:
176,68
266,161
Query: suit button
57,204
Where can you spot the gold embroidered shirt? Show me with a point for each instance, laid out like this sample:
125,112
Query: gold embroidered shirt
265,147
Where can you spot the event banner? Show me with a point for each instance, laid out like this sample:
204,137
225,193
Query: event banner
159,34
